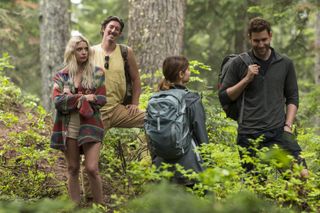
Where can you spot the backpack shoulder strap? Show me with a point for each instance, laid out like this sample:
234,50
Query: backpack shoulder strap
194,97
180,93
246,58
124,54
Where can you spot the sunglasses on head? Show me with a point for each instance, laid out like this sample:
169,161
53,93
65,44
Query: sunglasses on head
106,64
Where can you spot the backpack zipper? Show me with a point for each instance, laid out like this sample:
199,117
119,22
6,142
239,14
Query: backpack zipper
158,121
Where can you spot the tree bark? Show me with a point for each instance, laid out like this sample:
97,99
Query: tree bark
54,34
156,30
317,48
241,38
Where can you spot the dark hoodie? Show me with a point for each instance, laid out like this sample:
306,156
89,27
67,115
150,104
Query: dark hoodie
267,95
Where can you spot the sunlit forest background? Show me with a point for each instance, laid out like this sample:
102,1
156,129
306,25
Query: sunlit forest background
33,35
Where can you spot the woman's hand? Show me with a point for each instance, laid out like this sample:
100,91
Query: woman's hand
66,90
90,97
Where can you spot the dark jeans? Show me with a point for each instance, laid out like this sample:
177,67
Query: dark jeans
283,139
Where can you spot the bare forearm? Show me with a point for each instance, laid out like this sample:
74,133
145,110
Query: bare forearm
136,91
235,91
135,78
291,113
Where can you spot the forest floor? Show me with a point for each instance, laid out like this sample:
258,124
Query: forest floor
23,124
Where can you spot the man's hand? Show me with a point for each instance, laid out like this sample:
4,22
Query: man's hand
253,70
287,129
133,109
304,173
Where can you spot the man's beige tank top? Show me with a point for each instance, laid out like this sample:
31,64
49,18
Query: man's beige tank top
115,79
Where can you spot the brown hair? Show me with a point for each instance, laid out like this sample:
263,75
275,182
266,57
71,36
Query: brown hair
171,67
257,25
109,19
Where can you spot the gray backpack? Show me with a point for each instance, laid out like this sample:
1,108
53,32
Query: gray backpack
167,125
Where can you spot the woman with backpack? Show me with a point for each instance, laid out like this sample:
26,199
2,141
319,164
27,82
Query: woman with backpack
78,93
172,87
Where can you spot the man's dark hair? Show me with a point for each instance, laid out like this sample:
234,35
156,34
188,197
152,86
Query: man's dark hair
109,19
257,25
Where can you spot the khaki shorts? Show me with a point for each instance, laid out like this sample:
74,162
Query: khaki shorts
119,117
74,125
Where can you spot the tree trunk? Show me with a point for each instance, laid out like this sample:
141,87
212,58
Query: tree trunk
317,48
54,34
241,38
317,62
155,31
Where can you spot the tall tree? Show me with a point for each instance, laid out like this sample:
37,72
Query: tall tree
156,30
54,34
19,37
317,48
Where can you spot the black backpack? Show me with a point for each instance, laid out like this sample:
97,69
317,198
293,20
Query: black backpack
128,97
234,109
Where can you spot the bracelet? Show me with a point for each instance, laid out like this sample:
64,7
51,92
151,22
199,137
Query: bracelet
288,125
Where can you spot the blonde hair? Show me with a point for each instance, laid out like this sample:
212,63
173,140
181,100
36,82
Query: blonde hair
72,65
171,67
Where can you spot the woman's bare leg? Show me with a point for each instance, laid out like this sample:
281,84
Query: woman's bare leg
72,155
92,153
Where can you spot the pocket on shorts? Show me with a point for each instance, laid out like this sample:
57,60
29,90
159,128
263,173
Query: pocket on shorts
289,142
288,136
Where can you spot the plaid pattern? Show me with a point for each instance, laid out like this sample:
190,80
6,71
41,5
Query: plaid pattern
91,126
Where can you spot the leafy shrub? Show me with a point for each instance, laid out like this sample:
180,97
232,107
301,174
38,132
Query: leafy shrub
171,198
125,164
26,164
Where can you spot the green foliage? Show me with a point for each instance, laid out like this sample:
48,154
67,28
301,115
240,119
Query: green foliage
222,30
309,110
9,93
125,166
297,38
4,62
126,173
25,159
98,10
44,205
213,29
61,204
170,198
19,36
12,95
223,177
196,68
8,118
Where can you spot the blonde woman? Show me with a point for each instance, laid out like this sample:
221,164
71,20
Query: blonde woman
79,92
